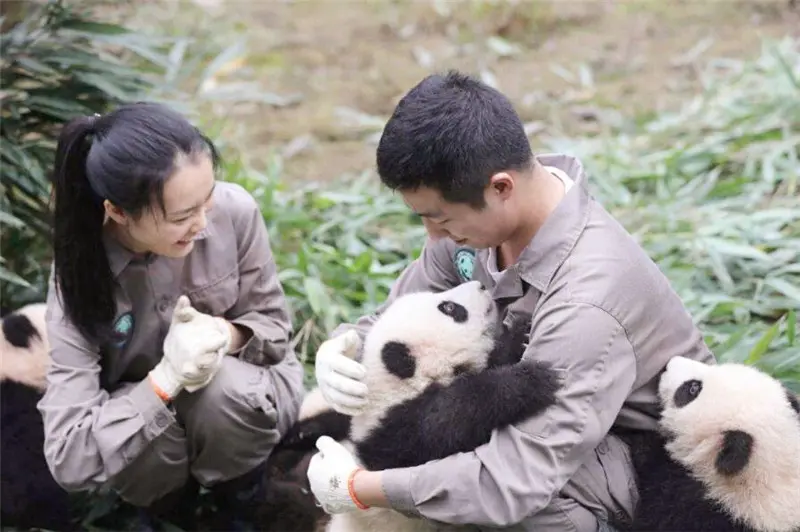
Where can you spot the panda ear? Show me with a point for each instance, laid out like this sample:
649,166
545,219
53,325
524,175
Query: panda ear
734,454
794,402
397,359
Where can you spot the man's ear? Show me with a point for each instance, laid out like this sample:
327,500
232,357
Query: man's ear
115,213
501,184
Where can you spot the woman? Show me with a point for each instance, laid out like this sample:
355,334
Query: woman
168,327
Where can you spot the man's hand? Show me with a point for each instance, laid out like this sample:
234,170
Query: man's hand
339,376
330,474
193,351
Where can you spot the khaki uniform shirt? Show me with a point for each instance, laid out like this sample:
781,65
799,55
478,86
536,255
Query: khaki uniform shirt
603,313
89,436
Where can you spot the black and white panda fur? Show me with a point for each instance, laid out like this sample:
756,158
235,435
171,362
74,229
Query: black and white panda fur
726,457
430,357
30,497
289,505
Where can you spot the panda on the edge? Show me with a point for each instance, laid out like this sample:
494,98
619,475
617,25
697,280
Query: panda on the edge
430,357
29,496
727,454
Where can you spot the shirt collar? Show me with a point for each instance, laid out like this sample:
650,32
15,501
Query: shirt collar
554,241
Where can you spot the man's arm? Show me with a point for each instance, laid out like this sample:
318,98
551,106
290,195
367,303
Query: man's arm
260,316
517,473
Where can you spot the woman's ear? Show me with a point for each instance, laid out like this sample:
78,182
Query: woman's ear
115,213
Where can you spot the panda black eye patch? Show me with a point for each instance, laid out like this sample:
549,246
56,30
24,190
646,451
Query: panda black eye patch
454,310
397,359
687,392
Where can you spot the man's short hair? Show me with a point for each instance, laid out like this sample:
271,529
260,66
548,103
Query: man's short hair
451,133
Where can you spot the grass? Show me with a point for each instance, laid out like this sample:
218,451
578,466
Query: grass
710,191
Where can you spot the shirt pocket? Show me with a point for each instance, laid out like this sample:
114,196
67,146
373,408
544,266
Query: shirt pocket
615,459
217,297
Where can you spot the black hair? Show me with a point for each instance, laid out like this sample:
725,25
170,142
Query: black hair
124,157
451,133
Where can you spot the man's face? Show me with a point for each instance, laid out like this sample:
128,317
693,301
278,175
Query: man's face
478,228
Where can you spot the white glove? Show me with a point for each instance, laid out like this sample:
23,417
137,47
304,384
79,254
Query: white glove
193,350
329,473
339,376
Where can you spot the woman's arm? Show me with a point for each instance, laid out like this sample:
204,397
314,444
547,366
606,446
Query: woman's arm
260,321
89,437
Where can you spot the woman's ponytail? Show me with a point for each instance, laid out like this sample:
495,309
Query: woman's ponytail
81,267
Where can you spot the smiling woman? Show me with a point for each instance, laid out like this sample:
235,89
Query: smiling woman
169,332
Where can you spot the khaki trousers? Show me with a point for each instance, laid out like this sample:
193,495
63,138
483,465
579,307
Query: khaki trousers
223,430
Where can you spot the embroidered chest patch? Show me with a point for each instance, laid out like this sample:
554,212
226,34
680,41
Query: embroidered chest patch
464,262
123,329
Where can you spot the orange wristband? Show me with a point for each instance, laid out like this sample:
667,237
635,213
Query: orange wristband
352,491
159,392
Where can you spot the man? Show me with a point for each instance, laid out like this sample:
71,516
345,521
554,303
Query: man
602,313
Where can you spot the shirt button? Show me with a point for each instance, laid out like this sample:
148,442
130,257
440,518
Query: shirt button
163,305
161,420
602,448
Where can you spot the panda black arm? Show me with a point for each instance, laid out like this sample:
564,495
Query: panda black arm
664,485
302,436
460,417
511,342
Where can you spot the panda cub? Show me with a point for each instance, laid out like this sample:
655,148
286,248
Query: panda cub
30,497
727,457
430,358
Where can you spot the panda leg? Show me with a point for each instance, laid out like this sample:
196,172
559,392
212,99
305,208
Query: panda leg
302,436
460,417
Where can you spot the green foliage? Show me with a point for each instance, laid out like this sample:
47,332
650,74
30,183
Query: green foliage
339,247
710,191
59,62
53,69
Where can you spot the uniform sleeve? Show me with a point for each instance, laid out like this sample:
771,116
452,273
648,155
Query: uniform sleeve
89,436
516,474
261,308
432,270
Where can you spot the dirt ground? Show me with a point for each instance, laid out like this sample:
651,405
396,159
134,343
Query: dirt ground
568,65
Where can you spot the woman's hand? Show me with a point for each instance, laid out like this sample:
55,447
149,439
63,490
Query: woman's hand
193,351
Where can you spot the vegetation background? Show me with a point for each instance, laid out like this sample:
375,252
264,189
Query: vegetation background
686,113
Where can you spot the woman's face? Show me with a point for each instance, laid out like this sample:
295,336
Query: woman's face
187,200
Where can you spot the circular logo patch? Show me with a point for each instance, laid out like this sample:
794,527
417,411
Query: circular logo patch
464,261
123,328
